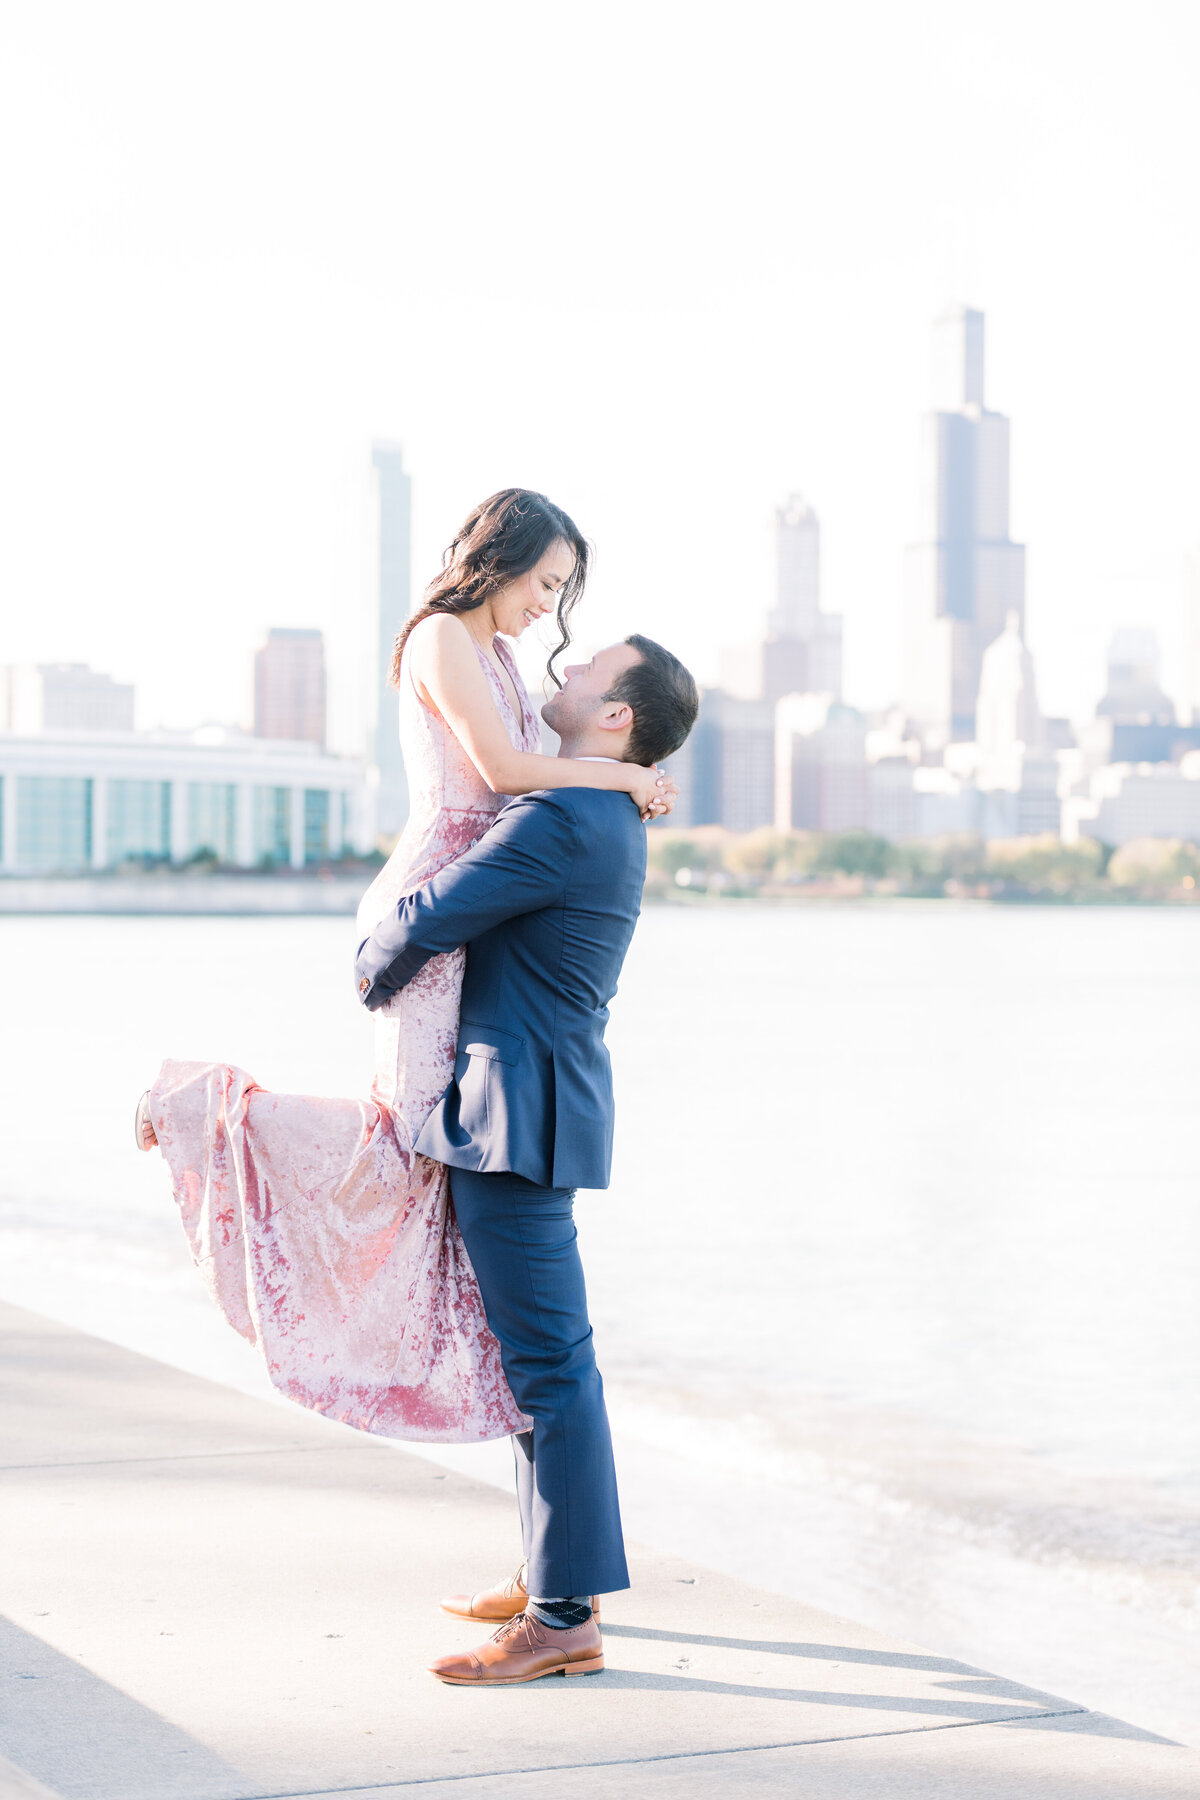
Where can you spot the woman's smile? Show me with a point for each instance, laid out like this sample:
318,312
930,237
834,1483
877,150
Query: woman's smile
531,614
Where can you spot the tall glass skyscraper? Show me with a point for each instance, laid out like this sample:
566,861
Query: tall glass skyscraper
797,571
394,601
803,651
966,575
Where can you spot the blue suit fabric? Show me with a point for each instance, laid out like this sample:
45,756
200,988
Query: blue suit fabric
546,903
521,1239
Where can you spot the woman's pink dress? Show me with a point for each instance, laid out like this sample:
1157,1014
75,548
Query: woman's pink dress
322,1237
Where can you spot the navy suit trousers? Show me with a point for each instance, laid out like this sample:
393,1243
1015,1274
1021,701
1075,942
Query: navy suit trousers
522,1241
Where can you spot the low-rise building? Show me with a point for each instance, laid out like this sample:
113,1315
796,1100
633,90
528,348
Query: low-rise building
1137,800
63,697
891,798
726,769
820,765
77,801
945,804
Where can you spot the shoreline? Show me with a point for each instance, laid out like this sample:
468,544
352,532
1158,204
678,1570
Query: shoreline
185,896
338,896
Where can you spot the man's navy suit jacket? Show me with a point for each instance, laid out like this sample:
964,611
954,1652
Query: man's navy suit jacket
546,903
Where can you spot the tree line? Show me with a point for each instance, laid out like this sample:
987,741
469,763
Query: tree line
707,861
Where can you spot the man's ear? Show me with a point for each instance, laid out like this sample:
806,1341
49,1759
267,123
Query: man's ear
617,716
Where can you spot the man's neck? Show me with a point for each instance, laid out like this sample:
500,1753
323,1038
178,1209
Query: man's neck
584,746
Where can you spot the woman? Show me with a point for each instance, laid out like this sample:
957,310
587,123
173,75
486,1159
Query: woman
323,1238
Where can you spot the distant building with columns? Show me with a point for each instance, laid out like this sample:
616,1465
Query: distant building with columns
74,801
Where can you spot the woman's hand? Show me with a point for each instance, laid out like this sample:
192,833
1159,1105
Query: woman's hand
653,793
663,802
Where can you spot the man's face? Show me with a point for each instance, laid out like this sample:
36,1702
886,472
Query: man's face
580,704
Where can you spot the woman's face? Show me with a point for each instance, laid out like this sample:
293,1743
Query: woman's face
524,601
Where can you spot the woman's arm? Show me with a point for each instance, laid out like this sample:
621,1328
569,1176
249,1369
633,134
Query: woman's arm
447,672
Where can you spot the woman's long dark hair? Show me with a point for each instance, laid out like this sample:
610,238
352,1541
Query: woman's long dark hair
498,542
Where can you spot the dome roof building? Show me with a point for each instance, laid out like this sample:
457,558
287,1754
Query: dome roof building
1008,718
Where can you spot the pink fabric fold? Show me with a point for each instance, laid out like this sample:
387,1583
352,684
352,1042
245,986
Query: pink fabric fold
335,1251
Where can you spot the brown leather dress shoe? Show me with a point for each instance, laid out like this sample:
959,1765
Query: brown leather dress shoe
524,1650
497,1604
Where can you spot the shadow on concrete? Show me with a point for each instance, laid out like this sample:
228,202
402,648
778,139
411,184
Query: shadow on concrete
978,1712
88,1741
883,1659
994,1704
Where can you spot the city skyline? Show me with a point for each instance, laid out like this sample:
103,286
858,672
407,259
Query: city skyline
966,749
207,334
965,578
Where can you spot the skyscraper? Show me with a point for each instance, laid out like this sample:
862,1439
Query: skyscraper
1192,639
289,686
1008,718
803,652
797,570
1016,771
965,575
394,601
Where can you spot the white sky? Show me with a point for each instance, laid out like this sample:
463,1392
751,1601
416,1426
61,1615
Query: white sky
665,262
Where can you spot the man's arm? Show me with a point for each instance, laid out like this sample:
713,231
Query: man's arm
519,866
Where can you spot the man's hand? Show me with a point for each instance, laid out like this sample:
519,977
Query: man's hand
518,866
370,964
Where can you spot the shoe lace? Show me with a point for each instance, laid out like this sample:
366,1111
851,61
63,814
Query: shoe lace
517,1581
510,1627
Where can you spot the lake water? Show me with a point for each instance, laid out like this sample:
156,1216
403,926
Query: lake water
896,1286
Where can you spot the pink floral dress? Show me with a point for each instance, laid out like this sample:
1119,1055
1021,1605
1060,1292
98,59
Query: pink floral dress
321,1236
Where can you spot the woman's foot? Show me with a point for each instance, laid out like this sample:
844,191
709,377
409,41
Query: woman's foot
143,1125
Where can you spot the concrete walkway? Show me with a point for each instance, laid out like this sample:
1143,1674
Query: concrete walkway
208,1597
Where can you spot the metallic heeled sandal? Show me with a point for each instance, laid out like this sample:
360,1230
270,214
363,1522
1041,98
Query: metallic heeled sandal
142,1119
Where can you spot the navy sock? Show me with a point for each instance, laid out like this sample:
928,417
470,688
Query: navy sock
560,1615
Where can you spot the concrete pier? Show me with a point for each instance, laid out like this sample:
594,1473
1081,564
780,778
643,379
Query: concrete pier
208,1597
184,895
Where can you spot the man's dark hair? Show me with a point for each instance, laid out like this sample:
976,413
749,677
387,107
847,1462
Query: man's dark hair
663,698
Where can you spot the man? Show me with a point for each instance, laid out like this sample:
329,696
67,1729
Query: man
546,903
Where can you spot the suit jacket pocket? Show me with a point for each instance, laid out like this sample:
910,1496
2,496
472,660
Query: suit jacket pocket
476,1039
